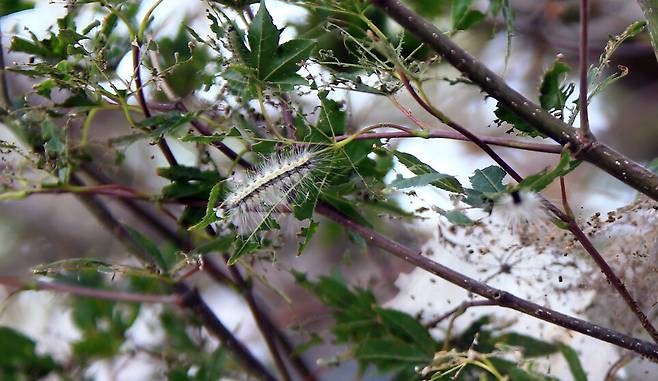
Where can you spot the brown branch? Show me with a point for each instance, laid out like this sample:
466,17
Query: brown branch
598,154
267,327
500,297
162,143
493,140
88,292
194,302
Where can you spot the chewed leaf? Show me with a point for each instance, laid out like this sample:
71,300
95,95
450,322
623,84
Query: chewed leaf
488,180
306,234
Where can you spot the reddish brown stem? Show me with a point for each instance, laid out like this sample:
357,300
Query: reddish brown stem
503,142
162,143
117,296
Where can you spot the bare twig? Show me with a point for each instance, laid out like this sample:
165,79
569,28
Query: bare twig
88,292
493,140
585,132
162,143
618,365
460,309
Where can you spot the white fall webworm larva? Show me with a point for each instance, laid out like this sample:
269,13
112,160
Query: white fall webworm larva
277,181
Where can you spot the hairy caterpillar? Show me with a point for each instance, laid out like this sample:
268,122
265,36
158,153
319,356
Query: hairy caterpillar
279,181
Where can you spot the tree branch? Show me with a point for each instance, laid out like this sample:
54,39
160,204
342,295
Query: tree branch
502,298
598,154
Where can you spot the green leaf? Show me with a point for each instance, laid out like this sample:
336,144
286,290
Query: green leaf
306,234
456,217
211,215
650,9
403,325
531,347
263,41
445,182
149,247
331,121
574,363
488,180
552,96
53,137
463,17
504,114
18,357
391,354
543,179
283,66
13,6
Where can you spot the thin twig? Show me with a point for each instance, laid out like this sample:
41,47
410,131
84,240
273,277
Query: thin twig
457,127
585,132
460,308
117,296
162,143
618,365
493,140
193,301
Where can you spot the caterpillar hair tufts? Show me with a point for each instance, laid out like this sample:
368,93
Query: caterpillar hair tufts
275,183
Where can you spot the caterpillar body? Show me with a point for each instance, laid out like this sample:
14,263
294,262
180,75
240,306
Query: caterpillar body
277,182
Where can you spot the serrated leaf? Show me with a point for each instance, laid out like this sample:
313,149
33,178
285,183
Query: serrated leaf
263,41
551,94
436,179
284,64
488,180
445,182
306,234
405,326
504,114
